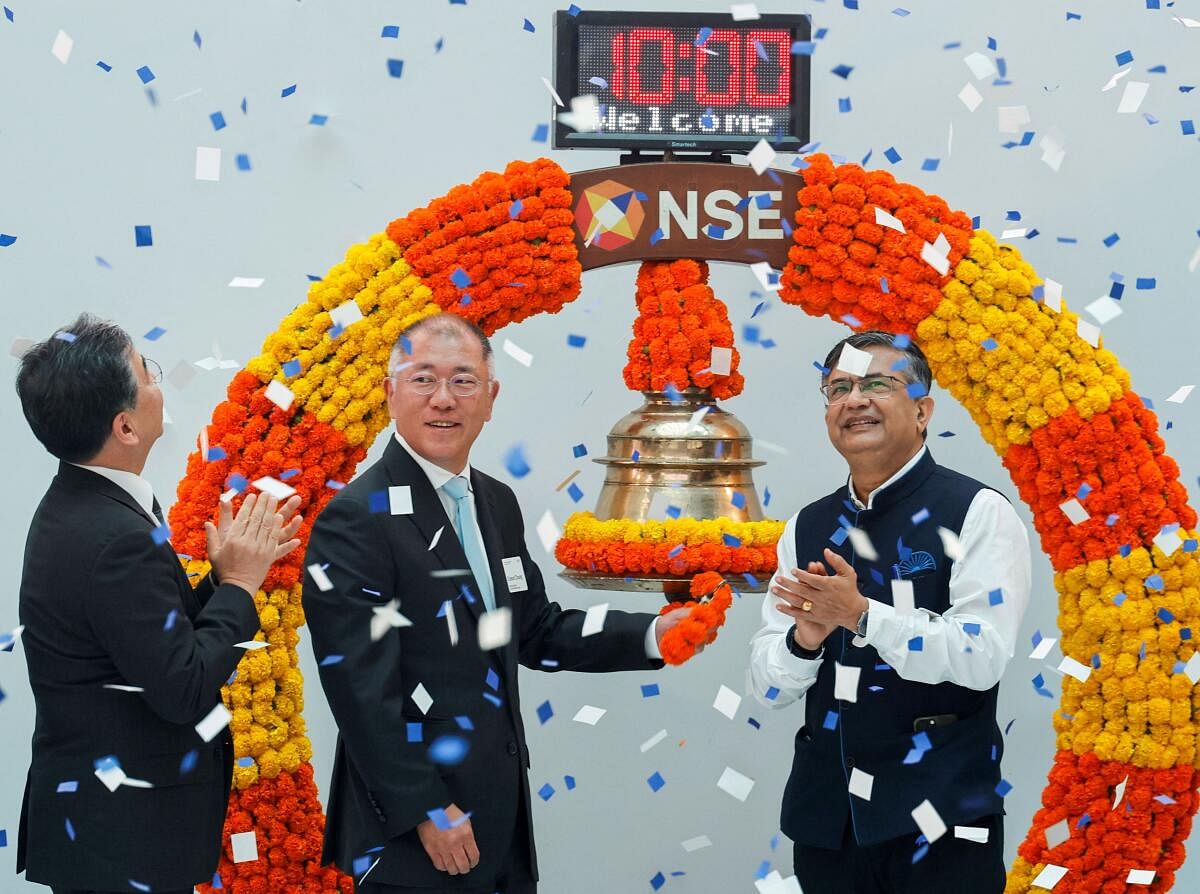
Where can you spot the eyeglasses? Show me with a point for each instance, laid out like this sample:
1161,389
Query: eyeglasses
460,384
153,370
872,387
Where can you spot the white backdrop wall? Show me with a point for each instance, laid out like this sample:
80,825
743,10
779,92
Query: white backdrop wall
85,156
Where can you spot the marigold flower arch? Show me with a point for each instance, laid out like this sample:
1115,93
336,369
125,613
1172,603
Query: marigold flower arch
1060,412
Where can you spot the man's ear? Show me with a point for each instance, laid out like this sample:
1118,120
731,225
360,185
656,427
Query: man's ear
925,411
122,431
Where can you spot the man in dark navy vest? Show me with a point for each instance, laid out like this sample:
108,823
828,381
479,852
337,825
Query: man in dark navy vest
894,613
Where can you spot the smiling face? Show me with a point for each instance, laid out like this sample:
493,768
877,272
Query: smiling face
881,433
441,426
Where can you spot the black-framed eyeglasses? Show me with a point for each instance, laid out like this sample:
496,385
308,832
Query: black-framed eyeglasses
153,370
460,384
874,387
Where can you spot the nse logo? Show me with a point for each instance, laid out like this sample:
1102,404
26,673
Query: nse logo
610,215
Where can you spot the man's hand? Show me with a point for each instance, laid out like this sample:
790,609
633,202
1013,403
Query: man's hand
452,850
242,549
663,623
832,600
810,632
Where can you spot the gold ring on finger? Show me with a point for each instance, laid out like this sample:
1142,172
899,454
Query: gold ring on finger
806,607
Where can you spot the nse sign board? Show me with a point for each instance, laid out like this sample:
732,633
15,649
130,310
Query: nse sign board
717,212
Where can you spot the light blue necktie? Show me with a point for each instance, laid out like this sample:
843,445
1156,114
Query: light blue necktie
468,536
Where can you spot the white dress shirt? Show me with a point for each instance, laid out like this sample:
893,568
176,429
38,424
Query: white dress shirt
134,485
995,555
438,476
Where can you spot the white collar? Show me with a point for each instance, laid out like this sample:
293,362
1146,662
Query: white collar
134,485
903,470
436,474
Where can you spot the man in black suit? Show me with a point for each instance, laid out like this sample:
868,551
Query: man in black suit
127,786
408,660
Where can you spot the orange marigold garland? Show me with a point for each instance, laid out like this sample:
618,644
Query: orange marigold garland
679,322
711,597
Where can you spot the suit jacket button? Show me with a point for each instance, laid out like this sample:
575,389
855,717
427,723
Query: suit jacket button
512,748
849,762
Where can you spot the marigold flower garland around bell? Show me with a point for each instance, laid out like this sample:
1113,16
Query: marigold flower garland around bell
711,597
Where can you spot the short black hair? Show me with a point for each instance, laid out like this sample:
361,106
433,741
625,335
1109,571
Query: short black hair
915,370
445,324
74,383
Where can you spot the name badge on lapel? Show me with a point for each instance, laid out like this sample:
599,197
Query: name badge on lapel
514,574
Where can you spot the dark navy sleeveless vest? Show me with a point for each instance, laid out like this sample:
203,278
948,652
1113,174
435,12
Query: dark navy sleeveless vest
959,774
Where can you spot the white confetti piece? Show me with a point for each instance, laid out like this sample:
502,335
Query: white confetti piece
735,784
437,535
1089,332
845,682
280,394
589,714
548,531
1075,669
208,163
320,578
1168,541
1042,649
1192,668
720,361
553,93
1104,309
1180,394
862,544
928,821
1115,79
938,262
274,487
951,545
518,354
903,599
214,721
1119,792
1052,294
593,620
743,12
1050,876
1012,119
774,883
981,66
122,687
384,618
400,499
247,282
251,645
1187,23
1131,99
695,844
62,47
1140,877
970,97
451,621
346,314
653,740
886,220
767,276
854,361
245,846
1018,233
495,628
727,701
422,699
861,784
1074,510
761,156
1057,834
971,833
112,776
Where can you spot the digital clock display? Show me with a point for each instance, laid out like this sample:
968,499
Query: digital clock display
683,81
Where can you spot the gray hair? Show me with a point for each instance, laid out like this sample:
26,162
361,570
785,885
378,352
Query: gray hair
446,325
916,369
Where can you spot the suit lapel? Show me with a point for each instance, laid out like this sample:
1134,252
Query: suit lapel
489,526
428,516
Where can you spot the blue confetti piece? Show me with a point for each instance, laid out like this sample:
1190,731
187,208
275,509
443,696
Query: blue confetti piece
544,712
914,756
103,66
635,456
850,4
754,723
246,761
676,550
674,511
569,782
493,679
1144,283
8,13
515,462
576,341
515,209
155,334
439,818
658,881
995,597
920,515
172,615
989,344
920,853
573,10
804,47
143,236
392,31
188,763
767,496
415,732
335,485
218,120
1003,788
145,74
1125,57
460,278
378,501
493,699
318,120
546,792
243,164
215,453
916,390
287,91
971,628
1188,127
731,541
916,644
831,720
656,781
574,492
161,534
528,26
901,12
844,104
852,321
1111,240
712,231
892,155
579,450
67,787
464,722
842,71
1154,582
395,67
448,750
1119,599
540,133
656,236
738,500
291,368
649,690
930,164
1165,616
703,35
330,660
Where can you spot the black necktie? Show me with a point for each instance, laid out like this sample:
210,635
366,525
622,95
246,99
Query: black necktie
158,513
